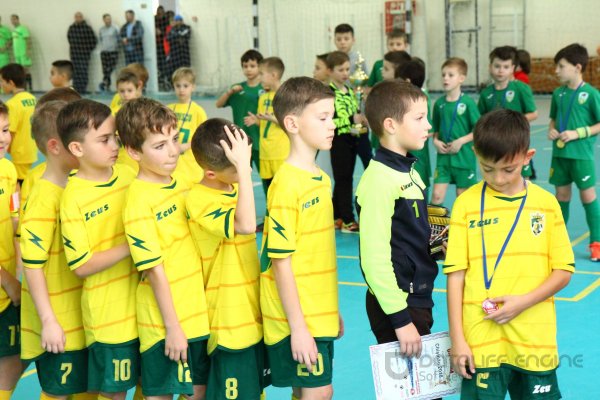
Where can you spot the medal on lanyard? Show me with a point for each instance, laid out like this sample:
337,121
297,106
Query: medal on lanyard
562,123
489,306
447,134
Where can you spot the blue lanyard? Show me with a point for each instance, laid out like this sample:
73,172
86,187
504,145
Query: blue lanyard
503,99
488,282
562,124
447,134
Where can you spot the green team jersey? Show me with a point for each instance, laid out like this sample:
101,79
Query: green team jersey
376,75
20,35
571,109
453,120
516,96
423,164
5,37
243,102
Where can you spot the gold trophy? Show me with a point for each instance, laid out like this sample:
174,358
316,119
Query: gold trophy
358,79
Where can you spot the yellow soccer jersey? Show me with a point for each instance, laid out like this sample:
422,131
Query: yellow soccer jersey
189,117
274,143
158,233
230,266
33,175
42,247
92,221
539,245
115,104
300,225
8,189
188,172
22,149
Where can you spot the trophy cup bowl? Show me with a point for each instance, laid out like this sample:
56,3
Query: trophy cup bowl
358,79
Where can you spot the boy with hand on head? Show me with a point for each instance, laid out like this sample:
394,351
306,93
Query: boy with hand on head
502,315
397,40
171,304
243,99
21,105
454,117
10,287
392,206
51,323
343,38
96,249
346,145
298,282
574,125
505,91
222,221
274,143
189,116
61,73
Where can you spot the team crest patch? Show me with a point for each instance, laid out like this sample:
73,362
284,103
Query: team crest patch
537,223
462,107
583,96
510,95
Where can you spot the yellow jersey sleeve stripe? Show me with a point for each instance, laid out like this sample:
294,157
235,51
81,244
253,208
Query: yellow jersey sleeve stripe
77,260
145,262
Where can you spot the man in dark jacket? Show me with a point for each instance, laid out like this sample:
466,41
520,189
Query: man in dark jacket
82,40
179,42
132,34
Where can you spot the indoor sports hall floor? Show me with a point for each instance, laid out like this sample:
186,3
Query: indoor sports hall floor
577,305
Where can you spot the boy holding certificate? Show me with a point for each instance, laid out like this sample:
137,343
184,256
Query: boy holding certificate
508,255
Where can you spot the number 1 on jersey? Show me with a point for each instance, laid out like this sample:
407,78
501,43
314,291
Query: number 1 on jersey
416,207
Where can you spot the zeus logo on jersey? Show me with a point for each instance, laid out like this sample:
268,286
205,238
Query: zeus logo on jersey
164,214
478,224
92,214
310,203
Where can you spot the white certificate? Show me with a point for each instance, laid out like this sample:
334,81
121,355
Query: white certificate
428,377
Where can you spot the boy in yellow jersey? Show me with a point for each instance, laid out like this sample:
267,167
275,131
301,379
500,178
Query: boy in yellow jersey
51,326
96,248
35,173
171,305
508,255
222,222
142,74
298,281
21,105
189,117
128,87
274,144
10,289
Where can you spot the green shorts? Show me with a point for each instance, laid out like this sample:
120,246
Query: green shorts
526,171
161,376
565,171
63,374
10,331
521,385
113,368
463,178
237,374
285,372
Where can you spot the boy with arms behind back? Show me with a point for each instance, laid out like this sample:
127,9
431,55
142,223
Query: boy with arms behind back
394,236
51,324
508,255
574,125
222,221
171,304
96,248
298,282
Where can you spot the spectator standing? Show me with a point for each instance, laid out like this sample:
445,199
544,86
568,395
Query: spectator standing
21,44
132,33
109,50
5,37
82,41
161,21
179,42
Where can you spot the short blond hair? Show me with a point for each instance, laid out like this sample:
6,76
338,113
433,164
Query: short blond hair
184,73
